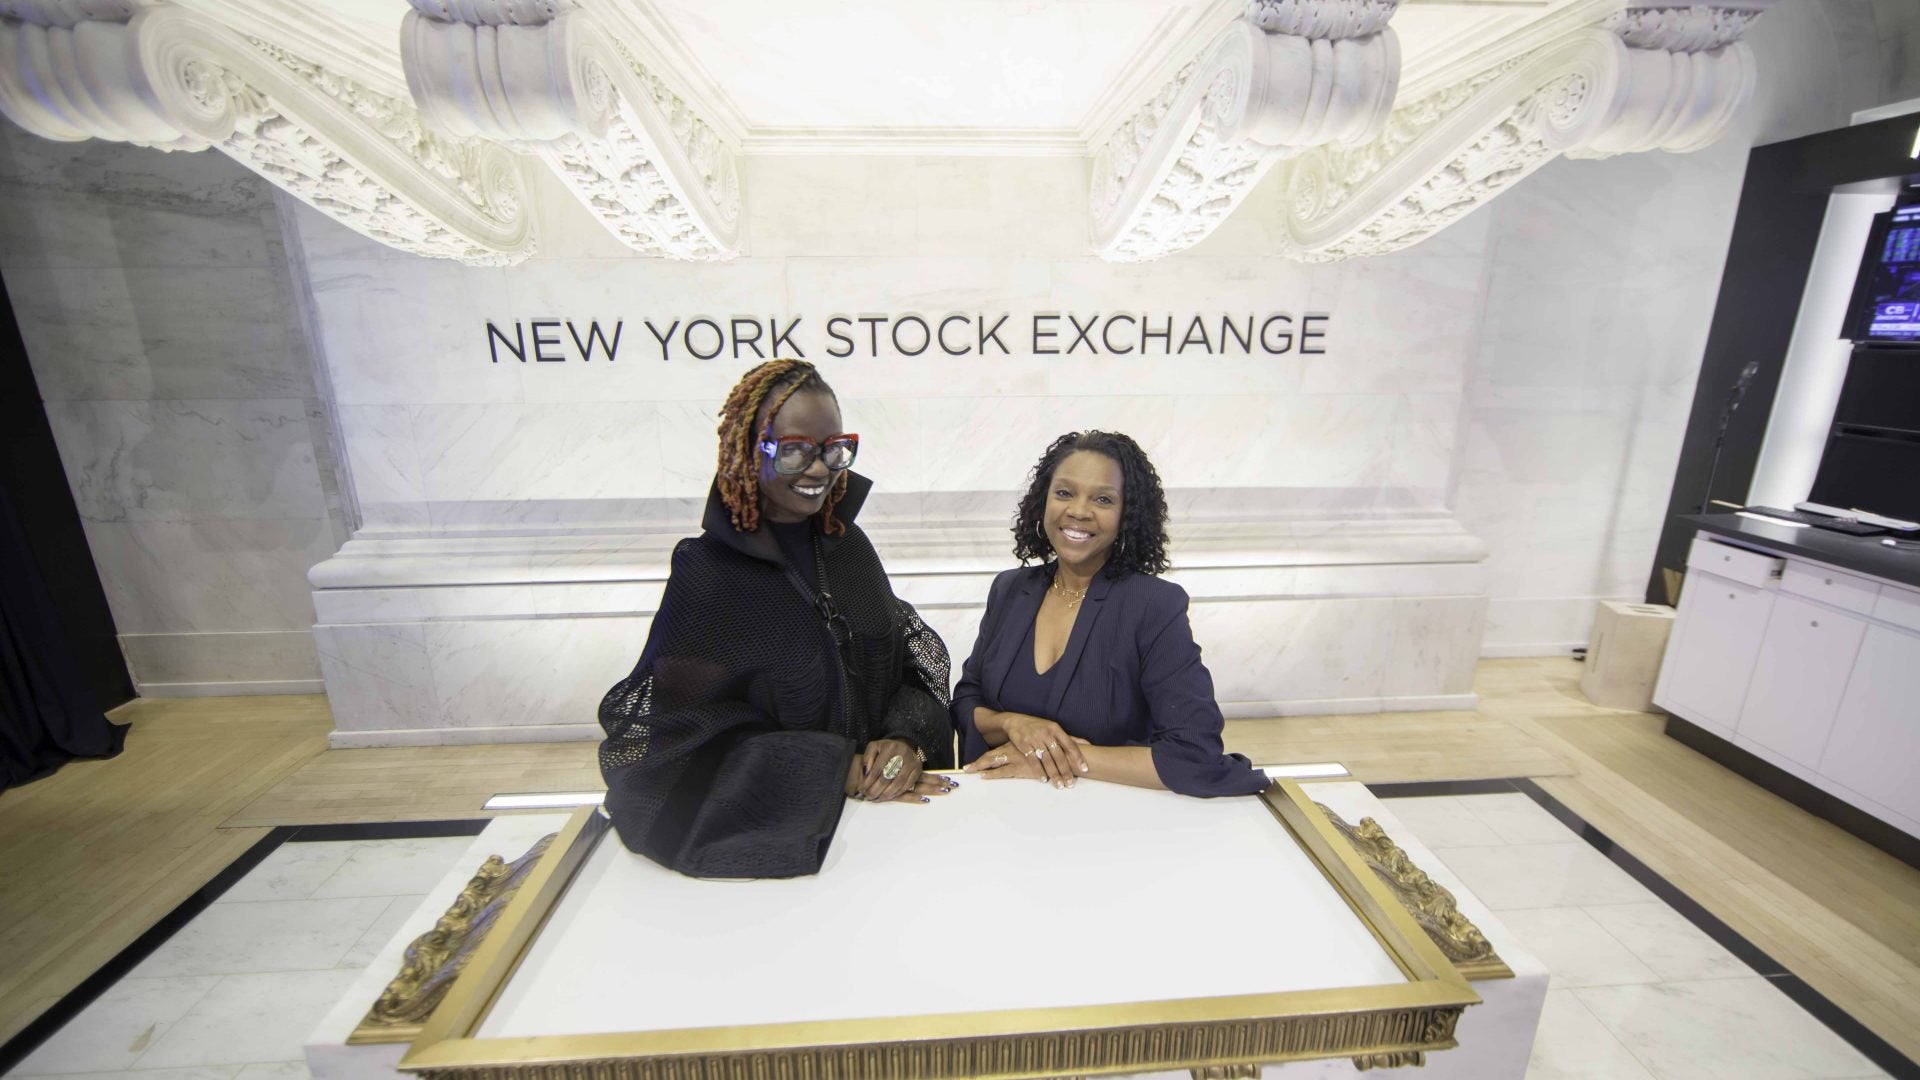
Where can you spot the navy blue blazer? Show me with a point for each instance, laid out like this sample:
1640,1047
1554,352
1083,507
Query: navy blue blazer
1131,676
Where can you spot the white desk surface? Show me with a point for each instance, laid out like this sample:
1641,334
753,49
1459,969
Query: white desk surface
1003,895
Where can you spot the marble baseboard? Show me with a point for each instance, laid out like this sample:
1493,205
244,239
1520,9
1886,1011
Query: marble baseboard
1522,650
255,657
466,736
430,640
262,688
1540,625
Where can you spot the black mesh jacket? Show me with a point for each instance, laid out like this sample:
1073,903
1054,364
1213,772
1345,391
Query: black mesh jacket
727,748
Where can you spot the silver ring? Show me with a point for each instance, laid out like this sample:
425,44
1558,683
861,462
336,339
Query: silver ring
892,768
1040,753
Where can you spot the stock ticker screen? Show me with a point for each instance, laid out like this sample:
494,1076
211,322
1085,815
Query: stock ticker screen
1893,286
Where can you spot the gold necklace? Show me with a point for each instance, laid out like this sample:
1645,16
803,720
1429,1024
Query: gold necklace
1071,596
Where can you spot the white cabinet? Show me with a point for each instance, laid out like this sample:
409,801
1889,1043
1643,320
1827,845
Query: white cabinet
1875,743
1799,678
1812,669
1716,641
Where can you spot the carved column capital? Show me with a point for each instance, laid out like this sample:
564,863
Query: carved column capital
1689,28
1286,76
1652,77
172,79
69,13
565,89
1689,75
492,12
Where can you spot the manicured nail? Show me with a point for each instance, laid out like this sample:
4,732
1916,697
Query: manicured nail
1083,768
923,798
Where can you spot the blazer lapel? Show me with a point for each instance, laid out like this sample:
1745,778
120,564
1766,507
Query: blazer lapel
1076,641
1022,607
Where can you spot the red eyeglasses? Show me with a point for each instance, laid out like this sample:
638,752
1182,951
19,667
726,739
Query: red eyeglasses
794,454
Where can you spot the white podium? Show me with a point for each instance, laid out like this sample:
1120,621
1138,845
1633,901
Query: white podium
1181,934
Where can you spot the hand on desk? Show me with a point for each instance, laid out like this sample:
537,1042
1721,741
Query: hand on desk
1045,743
1004,763
868,781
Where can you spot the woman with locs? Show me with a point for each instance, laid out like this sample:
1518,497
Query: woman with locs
781,675
1085,666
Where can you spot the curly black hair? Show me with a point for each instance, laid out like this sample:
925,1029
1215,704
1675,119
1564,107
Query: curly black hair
1142,543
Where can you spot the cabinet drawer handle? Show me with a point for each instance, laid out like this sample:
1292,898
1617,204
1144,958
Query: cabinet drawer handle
1829,581
1729,596
1816,622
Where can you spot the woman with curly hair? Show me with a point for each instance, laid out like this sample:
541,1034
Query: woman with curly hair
1085,666
781,675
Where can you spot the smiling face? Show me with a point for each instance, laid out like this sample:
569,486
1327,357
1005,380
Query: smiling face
1082,515
796,498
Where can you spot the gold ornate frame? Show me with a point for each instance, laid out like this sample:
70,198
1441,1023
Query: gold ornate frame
1376,1025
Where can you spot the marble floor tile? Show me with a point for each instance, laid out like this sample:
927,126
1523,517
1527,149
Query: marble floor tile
292,871
395,867
1571,1044
1517,819
1542,876
1444,821
1722,1029
277,1070
1576,950
381,932
251,1018
197,1072
265,935
119,1026
1665,941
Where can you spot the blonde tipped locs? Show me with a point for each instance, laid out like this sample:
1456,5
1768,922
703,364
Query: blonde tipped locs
737,473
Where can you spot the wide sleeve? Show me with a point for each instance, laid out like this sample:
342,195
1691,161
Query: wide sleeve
699,778
968,693
918,710
1184,721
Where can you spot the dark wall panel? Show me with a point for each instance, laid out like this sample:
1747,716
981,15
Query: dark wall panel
1782,204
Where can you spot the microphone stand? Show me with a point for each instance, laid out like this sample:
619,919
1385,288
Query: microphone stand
1726,415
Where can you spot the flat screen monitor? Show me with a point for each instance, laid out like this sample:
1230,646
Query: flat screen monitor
1877,472
1886,306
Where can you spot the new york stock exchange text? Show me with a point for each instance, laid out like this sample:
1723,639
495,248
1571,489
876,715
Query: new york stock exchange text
561,340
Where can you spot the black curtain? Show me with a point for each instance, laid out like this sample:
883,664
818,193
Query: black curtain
60,662
47,715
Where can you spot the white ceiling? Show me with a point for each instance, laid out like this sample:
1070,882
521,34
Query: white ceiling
1005,64
957,76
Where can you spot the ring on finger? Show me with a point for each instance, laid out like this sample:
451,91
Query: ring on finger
1040,753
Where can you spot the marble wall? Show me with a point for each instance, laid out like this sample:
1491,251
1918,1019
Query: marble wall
440,436
155,296
1602,278
1526,372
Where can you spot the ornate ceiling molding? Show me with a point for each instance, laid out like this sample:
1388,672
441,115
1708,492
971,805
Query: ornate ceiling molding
1651,78
543,78
1288,75
163,77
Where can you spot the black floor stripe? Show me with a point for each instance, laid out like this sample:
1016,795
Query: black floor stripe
1822,1008
1421,788
43,1027
389,830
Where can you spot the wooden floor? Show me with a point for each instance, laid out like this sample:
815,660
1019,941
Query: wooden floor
97,853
